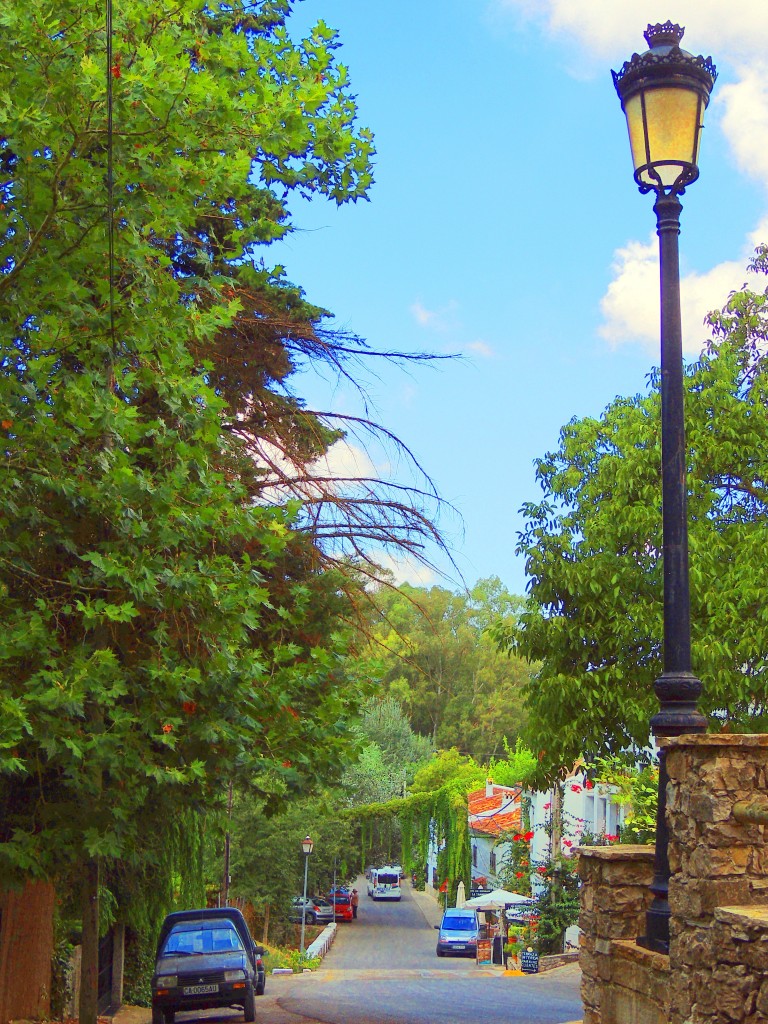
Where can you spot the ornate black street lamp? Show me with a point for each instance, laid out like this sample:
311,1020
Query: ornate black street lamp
306,846
664,93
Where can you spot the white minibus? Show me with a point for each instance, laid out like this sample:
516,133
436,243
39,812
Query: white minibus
384,883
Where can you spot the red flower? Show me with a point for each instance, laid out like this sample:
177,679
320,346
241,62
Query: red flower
576,788
528,837
542,870
189,706
516,837
568,843
610,838
589,784
287,764
167,727
547,806
512,938
518,874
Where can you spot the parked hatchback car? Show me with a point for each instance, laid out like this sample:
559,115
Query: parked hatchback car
206,959
317,910
458,932
343,906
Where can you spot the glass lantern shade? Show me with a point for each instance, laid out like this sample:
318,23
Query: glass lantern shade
307,845
664,94
664,134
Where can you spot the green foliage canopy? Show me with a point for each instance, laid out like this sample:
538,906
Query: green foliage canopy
162,632
431,649
592,549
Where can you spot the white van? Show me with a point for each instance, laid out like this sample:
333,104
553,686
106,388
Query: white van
384,883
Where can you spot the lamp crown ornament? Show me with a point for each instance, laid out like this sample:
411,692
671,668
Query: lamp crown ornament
667,34
665,55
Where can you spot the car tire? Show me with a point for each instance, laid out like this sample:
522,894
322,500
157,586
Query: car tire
310,918
249,1007
439,952
169,1016
157,1015
260,990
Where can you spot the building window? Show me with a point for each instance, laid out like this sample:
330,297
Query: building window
493,860
474,855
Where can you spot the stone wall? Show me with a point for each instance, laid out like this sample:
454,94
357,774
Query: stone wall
717,970
739,990
719,879
620,982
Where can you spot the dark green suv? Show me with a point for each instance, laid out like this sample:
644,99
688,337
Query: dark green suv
206,959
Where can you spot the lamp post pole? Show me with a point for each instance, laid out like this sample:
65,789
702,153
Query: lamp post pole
677,688
306,846
664,94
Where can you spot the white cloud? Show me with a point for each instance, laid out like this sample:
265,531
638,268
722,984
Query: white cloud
347,462
442,320
612,28
744,119
480,348
406,569
630,307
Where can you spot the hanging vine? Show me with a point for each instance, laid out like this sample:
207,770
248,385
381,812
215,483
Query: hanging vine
439,818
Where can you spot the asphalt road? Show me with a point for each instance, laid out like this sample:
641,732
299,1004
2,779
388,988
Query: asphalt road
382,969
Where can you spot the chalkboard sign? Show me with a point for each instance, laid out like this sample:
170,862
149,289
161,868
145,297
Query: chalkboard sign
529,961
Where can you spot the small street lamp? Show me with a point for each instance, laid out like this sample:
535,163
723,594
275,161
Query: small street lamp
664,93
307,846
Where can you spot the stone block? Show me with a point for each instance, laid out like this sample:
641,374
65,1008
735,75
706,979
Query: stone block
695,899
713,862
733,989
692,946
761,1003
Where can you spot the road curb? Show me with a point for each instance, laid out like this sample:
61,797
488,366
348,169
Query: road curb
323,942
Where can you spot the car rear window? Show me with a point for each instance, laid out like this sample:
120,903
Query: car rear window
341,899
190,937
460,924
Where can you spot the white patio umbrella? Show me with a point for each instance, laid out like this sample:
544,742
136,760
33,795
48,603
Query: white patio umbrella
497,900
461,895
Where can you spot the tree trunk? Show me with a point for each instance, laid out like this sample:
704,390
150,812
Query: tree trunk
89,977
265,933
557,819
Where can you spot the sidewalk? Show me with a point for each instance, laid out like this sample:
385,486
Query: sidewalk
428,905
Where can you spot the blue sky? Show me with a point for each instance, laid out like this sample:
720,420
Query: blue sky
505,225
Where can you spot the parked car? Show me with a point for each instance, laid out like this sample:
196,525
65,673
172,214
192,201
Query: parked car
317,910
458,932
343,906
206,959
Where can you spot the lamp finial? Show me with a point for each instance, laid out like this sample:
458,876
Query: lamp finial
667,34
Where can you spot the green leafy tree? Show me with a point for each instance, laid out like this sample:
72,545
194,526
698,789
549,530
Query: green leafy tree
431,649
637,791
163,632
592,549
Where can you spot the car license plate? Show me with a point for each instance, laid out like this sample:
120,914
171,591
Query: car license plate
459,945
200,990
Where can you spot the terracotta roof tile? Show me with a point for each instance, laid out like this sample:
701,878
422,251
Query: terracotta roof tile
479,803
495,824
